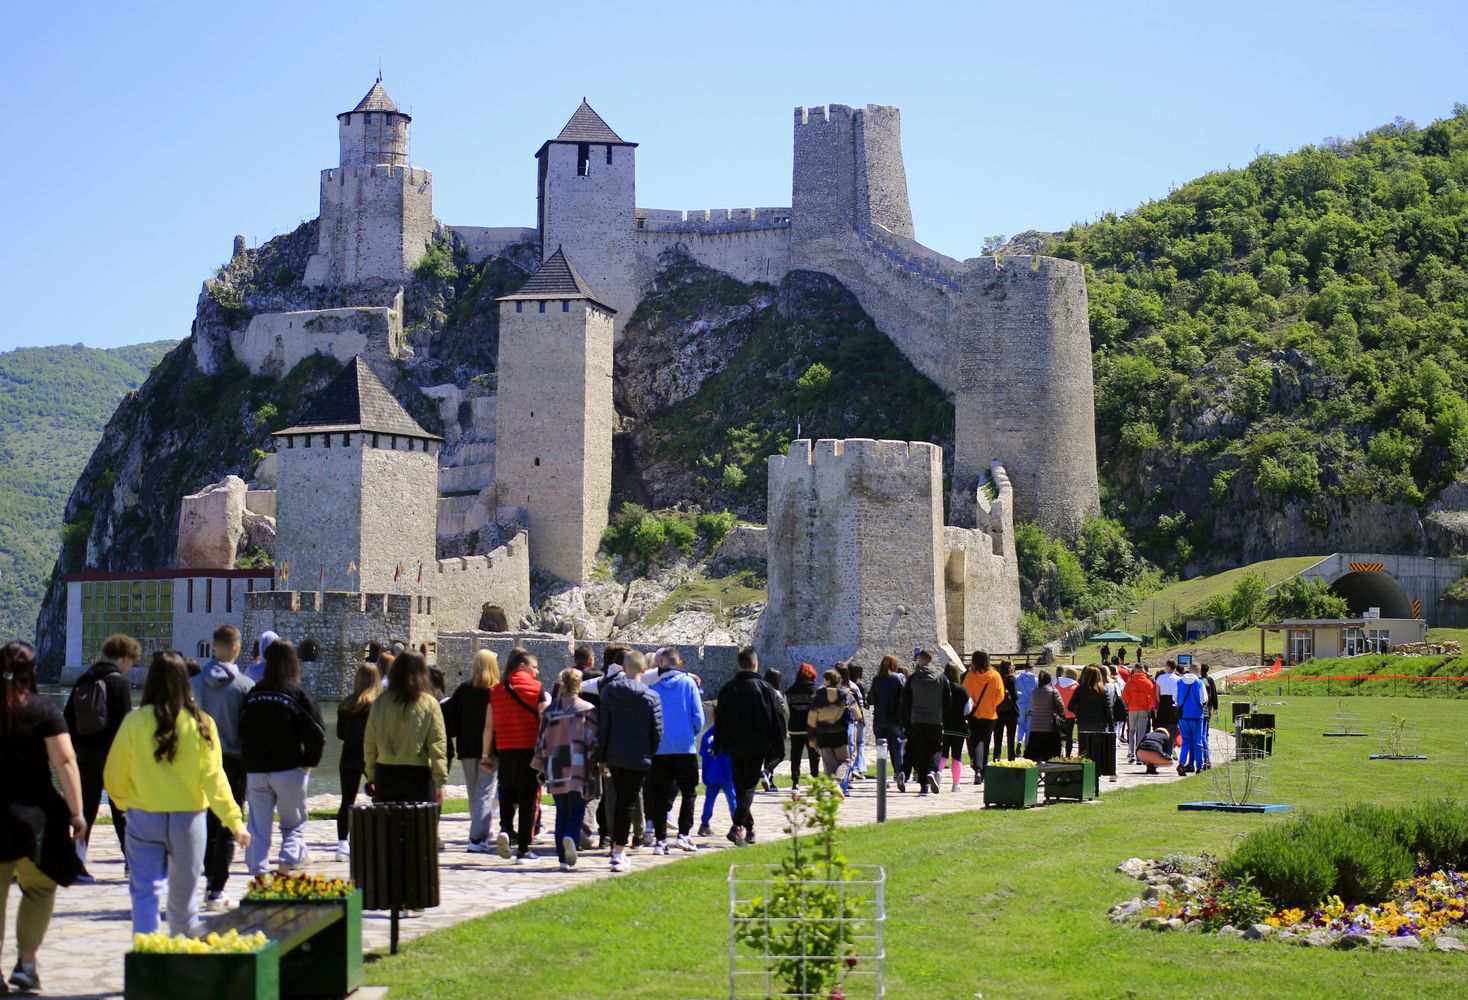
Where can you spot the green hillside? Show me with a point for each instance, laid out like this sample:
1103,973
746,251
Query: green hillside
56,400
1284,340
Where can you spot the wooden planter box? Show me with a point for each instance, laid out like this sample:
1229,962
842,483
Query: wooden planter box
1012,787
330,963
151,976
1264,744
1076,782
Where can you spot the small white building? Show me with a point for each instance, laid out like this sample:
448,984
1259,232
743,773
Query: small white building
1307,638
163,609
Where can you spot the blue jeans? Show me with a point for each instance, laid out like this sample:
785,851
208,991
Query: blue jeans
165,845
483,804
711,794
570,811
893,736
859,755
1193,750
267,793
1022,732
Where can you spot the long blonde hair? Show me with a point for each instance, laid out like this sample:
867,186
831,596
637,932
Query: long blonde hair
365,688
485,673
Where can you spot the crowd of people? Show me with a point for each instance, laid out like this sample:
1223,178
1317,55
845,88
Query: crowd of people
218,756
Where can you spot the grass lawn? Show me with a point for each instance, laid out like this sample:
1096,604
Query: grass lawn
1299,679
1003,904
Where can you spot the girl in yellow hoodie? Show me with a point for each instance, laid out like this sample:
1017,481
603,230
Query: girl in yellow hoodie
164,769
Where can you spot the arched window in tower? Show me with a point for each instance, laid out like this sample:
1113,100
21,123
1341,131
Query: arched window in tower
583,159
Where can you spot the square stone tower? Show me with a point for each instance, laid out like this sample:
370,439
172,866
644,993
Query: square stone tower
587,194
376,210
357,491
554,416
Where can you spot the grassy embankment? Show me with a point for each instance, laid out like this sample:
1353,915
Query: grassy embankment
1006,904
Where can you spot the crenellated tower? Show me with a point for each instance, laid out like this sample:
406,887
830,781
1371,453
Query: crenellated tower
376,209
586,190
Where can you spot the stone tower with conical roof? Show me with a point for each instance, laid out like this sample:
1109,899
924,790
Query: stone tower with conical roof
554,416
587,194
357,493
376,209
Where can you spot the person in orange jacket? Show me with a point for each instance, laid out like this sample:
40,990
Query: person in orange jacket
985,690
1140,696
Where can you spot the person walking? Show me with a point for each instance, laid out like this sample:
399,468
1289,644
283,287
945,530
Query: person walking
1006,716
1091,704
351,729
1166,715
985,688
1192,711
99,701
256,670
1065,686
464,715
564,754
885,698
859,728
1140,696
827,723
775,680
718,779
674,771
748,725
1047,715
511,728
1211,711
219,691
955,726
1025,683
165,769
629,731
281,738
405,746
40,828
799,699
925,702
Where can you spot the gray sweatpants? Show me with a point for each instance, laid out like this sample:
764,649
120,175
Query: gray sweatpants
267,793
483,803
1137,726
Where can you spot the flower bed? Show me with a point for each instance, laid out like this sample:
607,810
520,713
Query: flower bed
296,888
229,943
1423,906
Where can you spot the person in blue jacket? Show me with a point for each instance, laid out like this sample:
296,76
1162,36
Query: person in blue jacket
674,769
718,776
1025,683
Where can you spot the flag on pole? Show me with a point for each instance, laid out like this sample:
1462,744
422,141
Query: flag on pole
351,567
397,573
321,578
420,571
285,572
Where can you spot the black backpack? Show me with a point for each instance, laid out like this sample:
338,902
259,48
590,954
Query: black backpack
89,706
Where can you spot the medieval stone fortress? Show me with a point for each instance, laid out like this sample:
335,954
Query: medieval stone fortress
860,560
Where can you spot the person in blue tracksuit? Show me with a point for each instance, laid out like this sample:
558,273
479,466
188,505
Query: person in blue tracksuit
718,776
1192,713
1025,683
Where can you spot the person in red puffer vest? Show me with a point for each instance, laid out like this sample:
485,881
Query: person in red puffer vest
511,728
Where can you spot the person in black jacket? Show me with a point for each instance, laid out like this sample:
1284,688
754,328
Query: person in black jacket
99,700
1095,719
885,700
281,739
800,696
749,727
629,728
463,717
351,729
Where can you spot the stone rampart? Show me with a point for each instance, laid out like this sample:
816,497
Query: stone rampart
274,343
750,255
713,665
376,222
468,589
981,575
481,242
711,220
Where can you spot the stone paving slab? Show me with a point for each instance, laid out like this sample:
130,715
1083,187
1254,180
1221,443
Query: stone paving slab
82,955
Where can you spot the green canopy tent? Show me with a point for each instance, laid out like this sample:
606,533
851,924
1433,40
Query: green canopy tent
1115,635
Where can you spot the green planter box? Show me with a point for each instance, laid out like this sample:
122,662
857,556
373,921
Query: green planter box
1264,744
215,977
1012,787
1079,785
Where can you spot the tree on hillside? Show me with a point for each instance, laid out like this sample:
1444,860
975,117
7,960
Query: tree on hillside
1241,606
1302,597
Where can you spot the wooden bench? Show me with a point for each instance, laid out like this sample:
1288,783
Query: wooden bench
315,950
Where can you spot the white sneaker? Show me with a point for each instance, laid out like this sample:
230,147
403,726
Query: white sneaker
620,863
479,847
526,858
502,844
343,850
684,844
955,786
661,847
565,867
568,848
218,902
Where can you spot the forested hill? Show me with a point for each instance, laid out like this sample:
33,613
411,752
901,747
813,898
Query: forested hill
1282,350
55,402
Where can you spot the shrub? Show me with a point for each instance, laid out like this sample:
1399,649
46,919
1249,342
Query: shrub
734,478
1439,834
1299,597
713,527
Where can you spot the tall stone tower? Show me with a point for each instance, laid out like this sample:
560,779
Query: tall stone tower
587,194
554,416
376,209
357,491
848,173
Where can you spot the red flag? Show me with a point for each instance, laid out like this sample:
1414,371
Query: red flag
420,572
397,573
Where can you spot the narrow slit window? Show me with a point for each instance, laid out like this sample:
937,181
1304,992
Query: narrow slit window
583,159
566,306
542,307
609,156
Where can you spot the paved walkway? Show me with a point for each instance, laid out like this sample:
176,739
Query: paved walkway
82,955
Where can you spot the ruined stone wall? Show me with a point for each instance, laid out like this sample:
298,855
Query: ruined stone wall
856,555
341,624
714,666
981,578
750,255
481,242
376,222
591,218
554,435
274,343
462,587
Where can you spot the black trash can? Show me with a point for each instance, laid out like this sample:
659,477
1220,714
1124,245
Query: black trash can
395,857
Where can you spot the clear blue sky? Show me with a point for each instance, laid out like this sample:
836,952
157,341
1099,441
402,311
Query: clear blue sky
142,137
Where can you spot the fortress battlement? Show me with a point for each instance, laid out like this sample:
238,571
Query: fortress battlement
905,458
711,220
338,602
828,114
379,172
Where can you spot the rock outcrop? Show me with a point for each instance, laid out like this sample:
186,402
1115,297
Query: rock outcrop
210,525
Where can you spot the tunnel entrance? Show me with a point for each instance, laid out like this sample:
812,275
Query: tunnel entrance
1363,590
